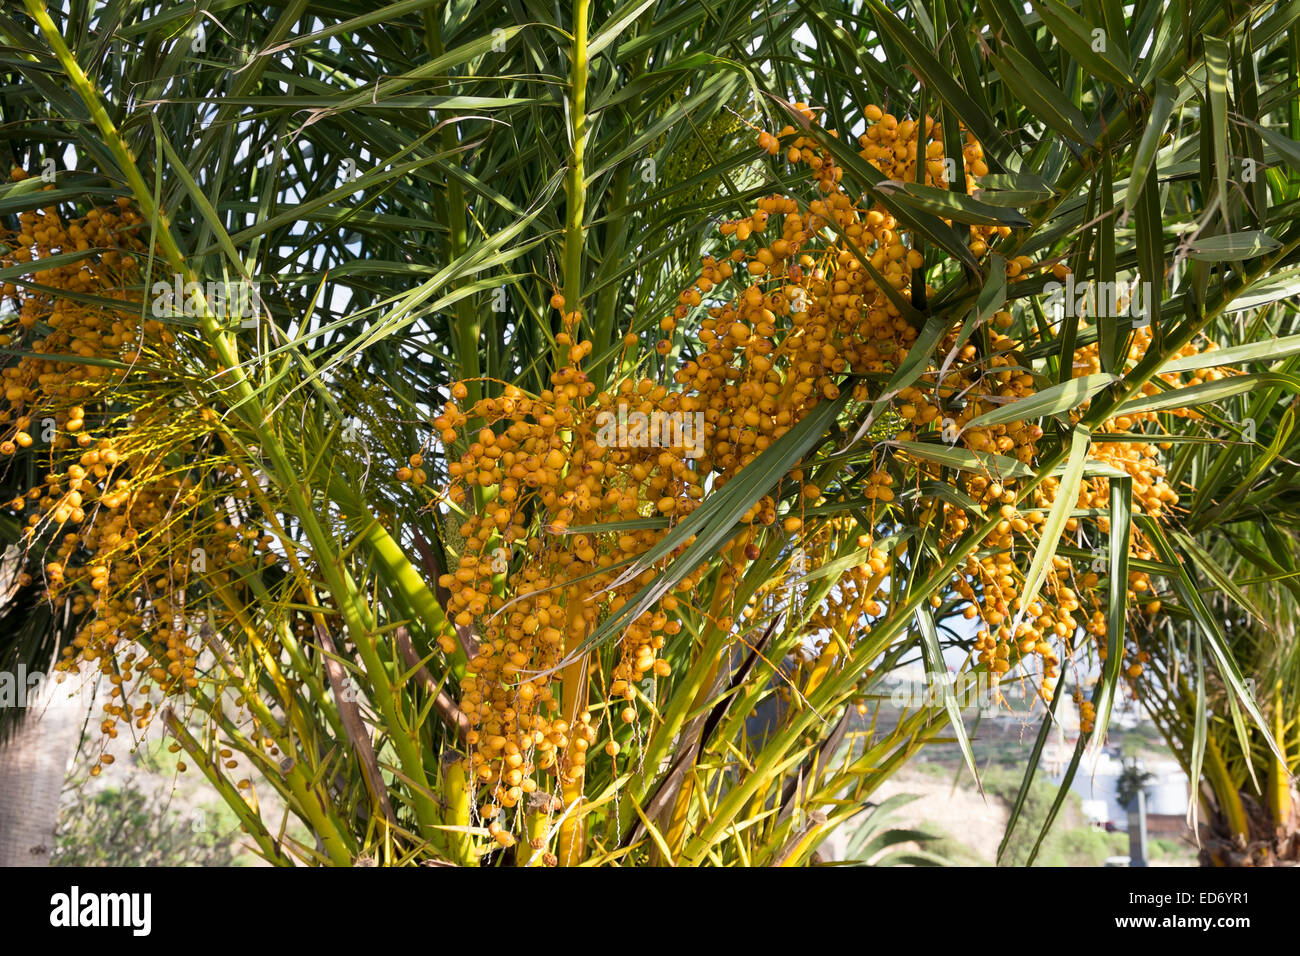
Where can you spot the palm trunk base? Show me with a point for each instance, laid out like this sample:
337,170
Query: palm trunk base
1268,844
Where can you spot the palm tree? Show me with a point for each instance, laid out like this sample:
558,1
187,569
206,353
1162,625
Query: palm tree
444,203
1132,780
1246,771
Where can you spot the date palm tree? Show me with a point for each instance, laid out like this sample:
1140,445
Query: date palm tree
1248,800
424,195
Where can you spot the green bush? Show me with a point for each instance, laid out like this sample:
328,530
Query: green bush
126,826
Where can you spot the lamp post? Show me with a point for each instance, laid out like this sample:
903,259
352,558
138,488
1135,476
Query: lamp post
1137,829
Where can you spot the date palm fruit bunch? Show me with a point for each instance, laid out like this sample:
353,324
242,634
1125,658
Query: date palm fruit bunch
124,523
790,313
990,584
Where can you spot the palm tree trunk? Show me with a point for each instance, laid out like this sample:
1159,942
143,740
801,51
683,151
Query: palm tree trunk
33,764
1266,842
